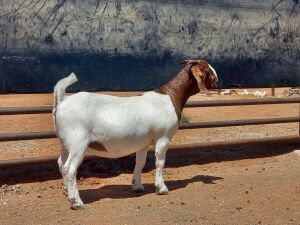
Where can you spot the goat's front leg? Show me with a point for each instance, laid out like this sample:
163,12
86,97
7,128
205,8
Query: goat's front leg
161,148
140,161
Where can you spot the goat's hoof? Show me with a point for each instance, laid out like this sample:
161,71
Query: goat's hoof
138,188
77,206
162,191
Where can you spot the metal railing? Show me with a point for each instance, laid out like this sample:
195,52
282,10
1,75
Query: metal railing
194,125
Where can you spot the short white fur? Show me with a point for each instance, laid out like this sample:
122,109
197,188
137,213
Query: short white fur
123,125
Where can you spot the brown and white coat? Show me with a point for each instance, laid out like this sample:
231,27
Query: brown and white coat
112,127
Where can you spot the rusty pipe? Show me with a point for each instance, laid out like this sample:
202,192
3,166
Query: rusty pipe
238,102
190,104
25,110
229,123
194,125
27,136
188,147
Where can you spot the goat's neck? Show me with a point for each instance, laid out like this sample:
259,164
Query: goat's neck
179,91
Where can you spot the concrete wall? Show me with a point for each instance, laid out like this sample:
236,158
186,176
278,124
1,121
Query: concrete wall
134,45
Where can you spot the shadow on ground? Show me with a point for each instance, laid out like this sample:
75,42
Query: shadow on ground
104,168
123,191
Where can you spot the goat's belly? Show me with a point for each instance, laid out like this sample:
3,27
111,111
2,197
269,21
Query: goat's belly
119,148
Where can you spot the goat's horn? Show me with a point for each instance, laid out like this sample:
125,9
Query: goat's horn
189,61
185,61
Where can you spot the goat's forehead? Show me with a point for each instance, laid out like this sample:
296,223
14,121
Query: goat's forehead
212,69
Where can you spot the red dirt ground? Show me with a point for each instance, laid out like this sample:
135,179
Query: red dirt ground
242,185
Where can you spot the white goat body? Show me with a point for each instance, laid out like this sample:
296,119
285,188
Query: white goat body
123,125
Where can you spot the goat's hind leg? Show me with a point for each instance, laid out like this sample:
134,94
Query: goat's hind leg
76,155
140,161
61,161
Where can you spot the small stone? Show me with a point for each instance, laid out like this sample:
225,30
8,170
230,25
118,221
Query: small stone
182,203
248,201
16,191
238,208
247,192
259,222
138,207
214,198
263,168
287,208
39,196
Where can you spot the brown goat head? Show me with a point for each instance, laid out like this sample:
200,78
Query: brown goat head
202,76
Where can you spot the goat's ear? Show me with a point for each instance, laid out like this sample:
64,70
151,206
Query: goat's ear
197,72
199,76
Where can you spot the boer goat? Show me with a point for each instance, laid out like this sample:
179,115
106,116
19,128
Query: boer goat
113,127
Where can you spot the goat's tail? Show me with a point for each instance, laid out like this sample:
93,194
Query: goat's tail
60,88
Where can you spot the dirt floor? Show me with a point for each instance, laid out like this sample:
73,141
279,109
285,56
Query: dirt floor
232,186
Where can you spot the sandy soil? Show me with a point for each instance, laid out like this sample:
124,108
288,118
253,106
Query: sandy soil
249,185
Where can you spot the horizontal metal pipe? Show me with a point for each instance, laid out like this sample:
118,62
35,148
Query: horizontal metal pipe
190,147
190,104
236,143
229,123
238,102
209,124
25,110
27,136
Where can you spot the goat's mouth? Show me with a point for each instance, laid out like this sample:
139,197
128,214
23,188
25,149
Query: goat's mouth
215,85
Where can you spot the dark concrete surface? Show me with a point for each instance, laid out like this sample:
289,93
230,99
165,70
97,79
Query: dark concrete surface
134,45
